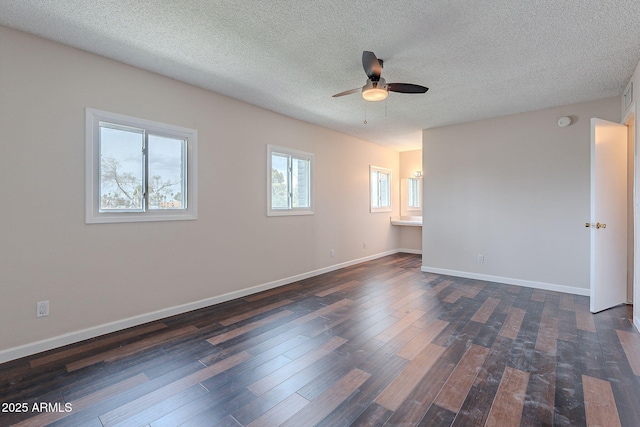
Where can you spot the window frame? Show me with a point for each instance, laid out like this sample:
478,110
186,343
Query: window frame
291,154
378,207
93,215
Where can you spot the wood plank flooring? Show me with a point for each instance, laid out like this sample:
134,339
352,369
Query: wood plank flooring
375,344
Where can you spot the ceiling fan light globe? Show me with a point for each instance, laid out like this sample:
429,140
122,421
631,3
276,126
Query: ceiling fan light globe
375,94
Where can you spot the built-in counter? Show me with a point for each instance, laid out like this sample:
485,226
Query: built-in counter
411,221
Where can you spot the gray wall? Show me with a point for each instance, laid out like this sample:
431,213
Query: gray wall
516,190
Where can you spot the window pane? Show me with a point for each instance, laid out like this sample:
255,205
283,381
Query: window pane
384,190
300,183
414,192
166,175
279,181
375,196
121,168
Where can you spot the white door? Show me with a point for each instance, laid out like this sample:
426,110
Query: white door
608,214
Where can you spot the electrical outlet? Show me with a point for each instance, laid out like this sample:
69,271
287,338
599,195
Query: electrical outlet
364,245
332,252
42,309
480,258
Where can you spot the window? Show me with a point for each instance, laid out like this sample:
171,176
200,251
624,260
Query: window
289,182
413,194
138,170
380,189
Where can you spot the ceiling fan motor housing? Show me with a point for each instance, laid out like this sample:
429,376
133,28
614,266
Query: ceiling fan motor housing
381,83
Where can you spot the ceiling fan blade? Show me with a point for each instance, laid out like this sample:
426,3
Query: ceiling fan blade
406,88
347,92
371,65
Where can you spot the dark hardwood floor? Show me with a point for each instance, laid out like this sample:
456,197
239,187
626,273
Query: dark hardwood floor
379,343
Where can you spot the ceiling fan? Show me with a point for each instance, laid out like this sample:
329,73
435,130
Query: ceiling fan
376,88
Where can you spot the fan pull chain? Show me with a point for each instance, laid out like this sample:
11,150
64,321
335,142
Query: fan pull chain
365,114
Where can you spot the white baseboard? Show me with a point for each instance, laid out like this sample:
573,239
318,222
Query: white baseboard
508,281
81,335
411,251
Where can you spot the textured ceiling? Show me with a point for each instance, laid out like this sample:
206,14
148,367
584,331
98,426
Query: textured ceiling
480,59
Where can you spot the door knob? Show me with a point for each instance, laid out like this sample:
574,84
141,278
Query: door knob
597,225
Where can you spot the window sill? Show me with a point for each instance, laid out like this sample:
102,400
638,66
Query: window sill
289,212
106,218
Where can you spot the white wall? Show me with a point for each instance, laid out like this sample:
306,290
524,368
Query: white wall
95,276
516,190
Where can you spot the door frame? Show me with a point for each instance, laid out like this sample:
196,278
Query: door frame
630,120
